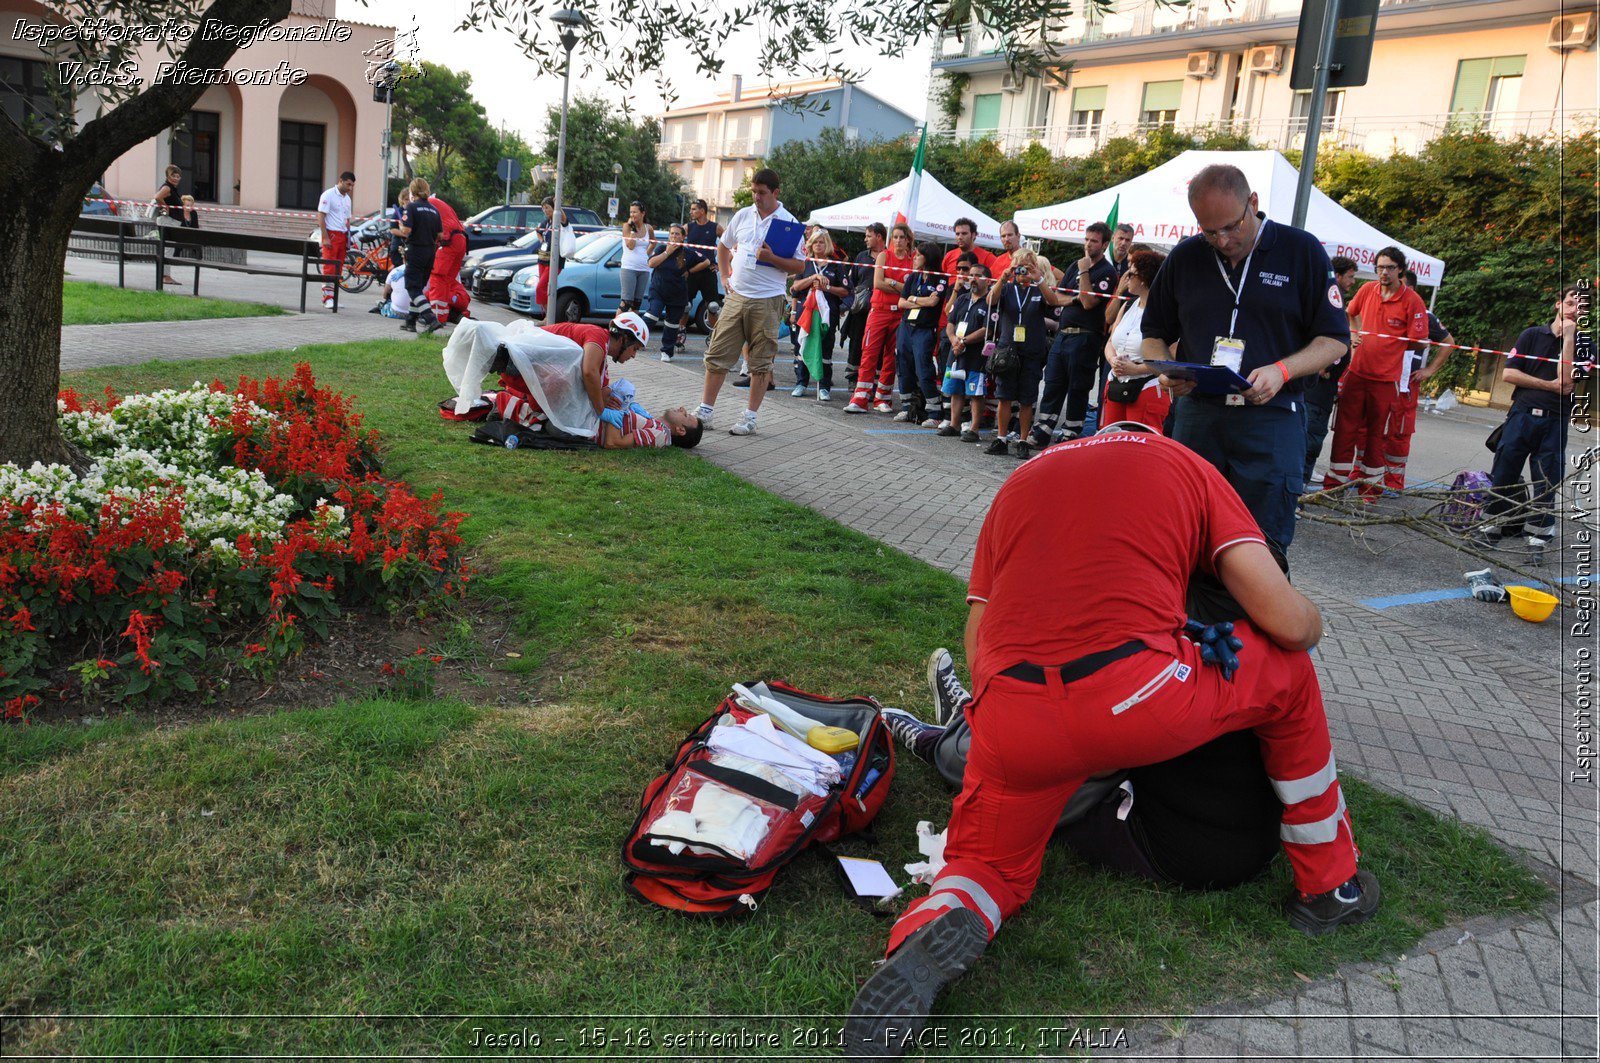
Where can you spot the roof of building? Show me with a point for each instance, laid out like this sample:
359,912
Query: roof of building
773,93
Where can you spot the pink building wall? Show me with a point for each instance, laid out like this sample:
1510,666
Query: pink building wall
335,94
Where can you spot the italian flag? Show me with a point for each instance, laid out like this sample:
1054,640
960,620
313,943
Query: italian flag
906,214
814,324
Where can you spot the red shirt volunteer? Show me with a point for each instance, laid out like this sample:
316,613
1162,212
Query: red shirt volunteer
1166,526
1403,321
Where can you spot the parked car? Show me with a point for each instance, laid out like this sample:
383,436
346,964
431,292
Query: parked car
486,272
500,225
591,284
99,201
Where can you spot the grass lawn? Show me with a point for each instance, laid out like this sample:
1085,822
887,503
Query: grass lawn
91,303
394,858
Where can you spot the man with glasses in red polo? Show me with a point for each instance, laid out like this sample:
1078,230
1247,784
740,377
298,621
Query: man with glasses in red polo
1258,297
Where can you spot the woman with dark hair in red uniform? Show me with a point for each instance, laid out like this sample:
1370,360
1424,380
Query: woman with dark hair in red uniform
883,323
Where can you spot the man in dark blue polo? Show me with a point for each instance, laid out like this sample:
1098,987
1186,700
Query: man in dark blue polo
1259,297
1084,290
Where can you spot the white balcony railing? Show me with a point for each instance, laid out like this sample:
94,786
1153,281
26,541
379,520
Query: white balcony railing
687,149
1380,135
744,147
1130,21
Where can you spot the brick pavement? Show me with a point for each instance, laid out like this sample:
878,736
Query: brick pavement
1480,735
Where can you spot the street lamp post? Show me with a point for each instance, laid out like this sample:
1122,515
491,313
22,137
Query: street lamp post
389,74
571,22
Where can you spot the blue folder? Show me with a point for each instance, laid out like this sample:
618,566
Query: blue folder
1209,379
784,238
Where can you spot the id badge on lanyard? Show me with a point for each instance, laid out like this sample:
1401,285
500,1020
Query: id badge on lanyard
1019,334
1229,350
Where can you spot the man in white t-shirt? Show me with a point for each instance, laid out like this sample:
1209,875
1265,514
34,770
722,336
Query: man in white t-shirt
396,301
755,280
333,223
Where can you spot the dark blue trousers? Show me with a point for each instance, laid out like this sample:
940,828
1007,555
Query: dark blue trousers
1260,450
1538,439
1319,395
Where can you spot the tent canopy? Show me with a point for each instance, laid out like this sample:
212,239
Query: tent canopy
1156,204
934,217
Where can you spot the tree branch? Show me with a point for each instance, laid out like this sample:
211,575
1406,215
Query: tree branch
104,139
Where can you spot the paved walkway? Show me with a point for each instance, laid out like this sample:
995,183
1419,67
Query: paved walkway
1475,733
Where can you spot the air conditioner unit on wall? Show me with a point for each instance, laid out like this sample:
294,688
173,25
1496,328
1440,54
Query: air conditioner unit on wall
1202,65
1571,31
1010,83
1265,59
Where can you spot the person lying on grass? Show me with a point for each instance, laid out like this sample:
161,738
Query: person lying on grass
674,428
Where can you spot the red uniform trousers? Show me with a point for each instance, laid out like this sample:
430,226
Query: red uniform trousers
877,357
1034,744
444,283
1359,422
333,253
1150,408
1397,439
541,293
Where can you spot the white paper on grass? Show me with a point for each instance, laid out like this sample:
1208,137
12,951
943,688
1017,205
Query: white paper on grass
868,877
930,845
551,367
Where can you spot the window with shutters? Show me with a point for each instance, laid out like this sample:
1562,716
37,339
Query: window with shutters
1300,113
1161,102
1486,87
1088,111
986,112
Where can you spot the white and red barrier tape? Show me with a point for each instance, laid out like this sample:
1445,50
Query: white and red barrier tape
311,216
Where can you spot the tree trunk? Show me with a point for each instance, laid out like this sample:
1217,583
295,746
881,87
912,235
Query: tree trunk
33,260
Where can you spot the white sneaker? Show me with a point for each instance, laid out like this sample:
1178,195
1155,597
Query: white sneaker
884,407
327,302
934,422
902,417
799,392
743,427
665,357
854,407
705,414
943,424
1539,538
823,395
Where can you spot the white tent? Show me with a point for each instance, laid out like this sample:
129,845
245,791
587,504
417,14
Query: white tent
1156,204
934,218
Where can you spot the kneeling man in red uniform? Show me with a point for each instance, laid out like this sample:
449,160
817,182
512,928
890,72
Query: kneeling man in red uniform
1098,676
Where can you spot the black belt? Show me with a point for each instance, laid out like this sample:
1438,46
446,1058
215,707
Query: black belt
1073,330
1081,668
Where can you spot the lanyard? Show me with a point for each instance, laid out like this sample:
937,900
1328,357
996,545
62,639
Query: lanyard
1022,300
1244,278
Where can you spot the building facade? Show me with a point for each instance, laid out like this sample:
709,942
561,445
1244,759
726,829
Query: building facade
1510,66
263,147
715,146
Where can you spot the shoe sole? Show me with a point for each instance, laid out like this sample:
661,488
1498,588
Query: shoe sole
1312,926
891,1010
933,683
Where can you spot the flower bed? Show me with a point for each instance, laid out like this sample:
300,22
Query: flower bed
215,528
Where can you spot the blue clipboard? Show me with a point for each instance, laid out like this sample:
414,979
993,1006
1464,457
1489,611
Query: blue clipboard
784,238
1209,379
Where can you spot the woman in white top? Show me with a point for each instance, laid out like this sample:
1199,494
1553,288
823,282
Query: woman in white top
1133,393
636,245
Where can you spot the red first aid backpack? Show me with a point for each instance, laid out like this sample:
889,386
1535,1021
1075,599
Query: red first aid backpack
712,882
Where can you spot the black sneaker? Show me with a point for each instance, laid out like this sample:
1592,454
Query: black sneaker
431,327
969,436
949,696
998,447
892,1007
1353,902
1021,448
1487,537
742,382
1039,437
951,430
409,326
911,732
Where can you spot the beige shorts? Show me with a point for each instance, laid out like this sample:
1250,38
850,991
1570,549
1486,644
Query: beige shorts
752,321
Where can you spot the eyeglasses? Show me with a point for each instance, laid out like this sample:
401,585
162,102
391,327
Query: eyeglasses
1227,231
1385,269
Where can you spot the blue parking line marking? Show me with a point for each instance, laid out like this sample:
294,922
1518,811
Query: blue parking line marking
1423,597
